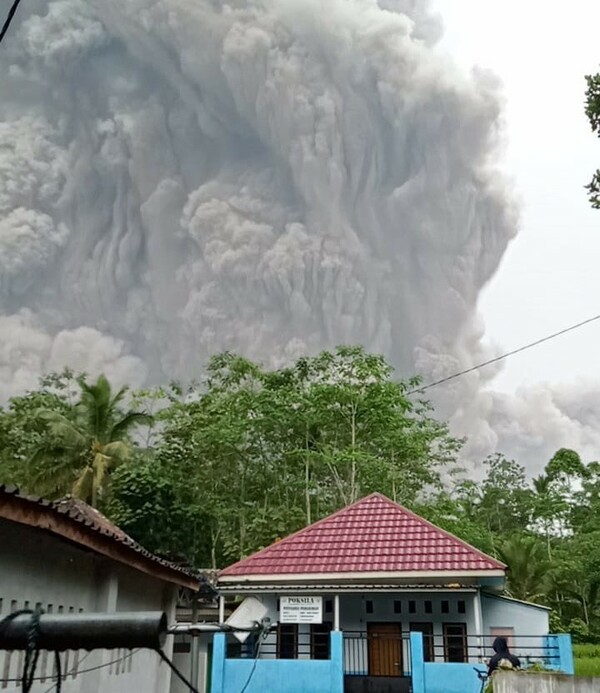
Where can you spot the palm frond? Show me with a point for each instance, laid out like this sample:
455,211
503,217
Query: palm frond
129,421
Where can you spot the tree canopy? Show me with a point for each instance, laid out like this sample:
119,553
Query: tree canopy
248,455
592,111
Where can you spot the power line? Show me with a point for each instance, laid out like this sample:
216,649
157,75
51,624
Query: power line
75,671
503,356
176,671
9,18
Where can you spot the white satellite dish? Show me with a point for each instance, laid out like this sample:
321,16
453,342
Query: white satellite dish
250,612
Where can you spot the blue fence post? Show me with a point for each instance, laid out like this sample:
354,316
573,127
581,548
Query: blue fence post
337,661
218,663
565,652
550,660
417,663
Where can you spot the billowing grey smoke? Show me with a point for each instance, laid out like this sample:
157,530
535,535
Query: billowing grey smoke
179,177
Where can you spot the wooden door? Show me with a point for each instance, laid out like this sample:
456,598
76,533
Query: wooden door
385,649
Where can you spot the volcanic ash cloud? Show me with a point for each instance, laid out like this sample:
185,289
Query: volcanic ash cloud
179,177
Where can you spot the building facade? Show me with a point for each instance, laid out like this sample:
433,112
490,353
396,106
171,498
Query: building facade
67,557
385,580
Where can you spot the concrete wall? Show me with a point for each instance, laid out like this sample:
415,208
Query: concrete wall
182,659
451,678
282,676
461,678
39,568
543,683
525,619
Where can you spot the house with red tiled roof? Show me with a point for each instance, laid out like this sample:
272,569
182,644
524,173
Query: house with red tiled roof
379,585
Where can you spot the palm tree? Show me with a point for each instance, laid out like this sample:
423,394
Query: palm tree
529,570
83,445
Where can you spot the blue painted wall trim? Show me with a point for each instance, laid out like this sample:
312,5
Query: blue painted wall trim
448,677
417,663
561,649
218,662
280,675
565,651
337,662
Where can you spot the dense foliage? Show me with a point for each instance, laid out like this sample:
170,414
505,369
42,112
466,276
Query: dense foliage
211,473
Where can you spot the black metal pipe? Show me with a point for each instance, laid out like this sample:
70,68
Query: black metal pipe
87,631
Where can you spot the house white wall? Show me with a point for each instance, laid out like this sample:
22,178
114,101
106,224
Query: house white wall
39,568
354,617
526,619
182,658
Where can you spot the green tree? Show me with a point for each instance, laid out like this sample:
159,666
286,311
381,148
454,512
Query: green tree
267,451
529,570
21,431
151,502
80,446
592,110
504,500
576,580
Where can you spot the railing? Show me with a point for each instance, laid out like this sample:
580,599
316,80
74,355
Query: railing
376,653
530,649
388,654
284,674
297,646
385,653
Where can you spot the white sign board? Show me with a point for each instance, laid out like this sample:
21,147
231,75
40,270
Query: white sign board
301,610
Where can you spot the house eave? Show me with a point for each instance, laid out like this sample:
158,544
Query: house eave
512,600
354,578
42,515
335,588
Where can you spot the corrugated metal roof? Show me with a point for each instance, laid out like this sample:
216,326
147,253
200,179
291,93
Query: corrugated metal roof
374,535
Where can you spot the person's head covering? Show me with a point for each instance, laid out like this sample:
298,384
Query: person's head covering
500,645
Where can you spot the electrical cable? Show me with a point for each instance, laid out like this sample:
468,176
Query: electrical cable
79,672
176,671
503,356
264,635
32,653
58,672
9,18
192,688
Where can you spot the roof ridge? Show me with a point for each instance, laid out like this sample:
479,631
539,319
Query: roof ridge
382,535
302,530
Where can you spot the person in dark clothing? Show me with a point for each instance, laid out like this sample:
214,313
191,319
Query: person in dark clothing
503,659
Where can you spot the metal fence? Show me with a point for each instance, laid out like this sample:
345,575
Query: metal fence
376,653
388,654
282,644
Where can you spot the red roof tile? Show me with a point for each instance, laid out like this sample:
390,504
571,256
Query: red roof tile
374,535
